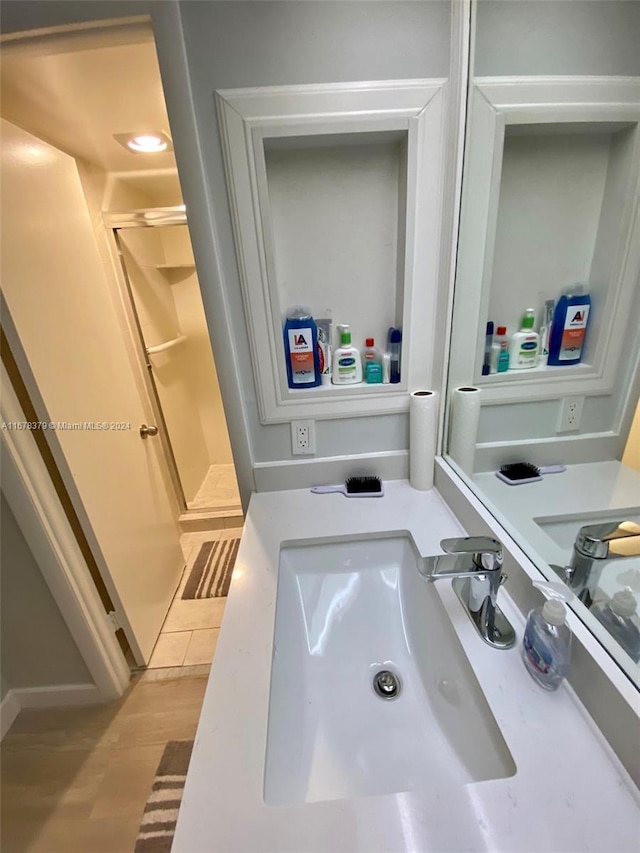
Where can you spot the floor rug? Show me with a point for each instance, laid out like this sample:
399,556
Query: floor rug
161,812
210,575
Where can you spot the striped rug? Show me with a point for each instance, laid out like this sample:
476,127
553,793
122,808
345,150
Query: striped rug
161,812
212,568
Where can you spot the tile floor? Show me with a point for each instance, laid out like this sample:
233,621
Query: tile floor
190,631
219,488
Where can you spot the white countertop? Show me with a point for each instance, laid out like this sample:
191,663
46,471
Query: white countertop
570,793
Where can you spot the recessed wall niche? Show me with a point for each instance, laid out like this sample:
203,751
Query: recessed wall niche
336,196
337,209
550,198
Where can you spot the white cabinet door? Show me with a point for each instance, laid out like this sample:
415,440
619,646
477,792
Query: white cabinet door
57,293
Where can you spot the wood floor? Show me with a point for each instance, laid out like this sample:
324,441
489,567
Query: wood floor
77,780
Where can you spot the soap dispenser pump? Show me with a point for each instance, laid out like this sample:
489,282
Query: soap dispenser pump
546,645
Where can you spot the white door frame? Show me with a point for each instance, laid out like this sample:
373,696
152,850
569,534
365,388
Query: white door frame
39,513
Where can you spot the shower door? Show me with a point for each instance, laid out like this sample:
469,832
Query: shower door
163,288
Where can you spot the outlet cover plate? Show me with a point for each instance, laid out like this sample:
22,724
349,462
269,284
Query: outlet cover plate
303,438
570,414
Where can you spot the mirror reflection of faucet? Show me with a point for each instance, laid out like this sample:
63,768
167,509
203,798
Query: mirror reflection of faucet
595,545
475,564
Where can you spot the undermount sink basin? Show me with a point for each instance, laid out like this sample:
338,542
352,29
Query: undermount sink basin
347,610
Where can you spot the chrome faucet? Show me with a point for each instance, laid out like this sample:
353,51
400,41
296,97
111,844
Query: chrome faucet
475,564
594,545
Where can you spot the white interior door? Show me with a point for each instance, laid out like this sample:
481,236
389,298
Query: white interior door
56,288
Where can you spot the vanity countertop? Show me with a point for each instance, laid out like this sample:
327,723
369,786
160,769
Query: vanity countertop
569,793
591,488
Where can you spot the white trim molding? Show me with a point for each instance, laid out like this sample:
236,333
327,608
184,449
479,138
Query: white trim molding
50,696
9,710
579,104
413,110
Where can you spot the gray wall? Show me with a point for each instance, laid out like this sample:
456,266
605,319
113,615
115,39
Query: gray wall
283,43
600,37
560,37
37,648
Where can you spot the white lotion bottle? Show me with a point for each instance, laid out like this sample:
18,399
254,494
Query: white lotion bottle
347,364
523,347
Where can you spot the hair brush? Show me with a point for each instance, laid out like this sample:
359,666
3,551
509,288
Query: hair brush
355,487
517,473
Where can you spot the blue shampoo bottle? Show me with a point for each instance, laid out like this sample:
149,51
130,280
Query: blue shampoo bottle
569,329
301,350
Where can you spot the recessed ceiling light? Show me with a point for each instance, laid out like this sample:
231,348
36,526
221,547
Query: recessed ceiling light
150,142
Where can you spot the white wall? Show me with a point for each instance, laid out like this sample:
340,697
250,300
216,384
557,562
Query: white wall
37,648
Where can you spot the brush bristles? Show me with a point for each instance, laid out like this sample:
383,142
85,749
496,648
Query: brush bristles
519,470
359,485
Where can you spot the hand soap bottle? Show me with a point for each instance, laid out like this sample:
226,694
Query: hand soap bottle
546,645
347,366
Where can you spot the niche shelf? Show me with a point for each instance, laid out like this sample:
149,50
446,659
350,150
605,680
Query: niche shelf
336,201
551,199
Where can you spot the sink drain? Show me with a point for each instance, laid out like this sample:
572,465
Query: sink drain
386,684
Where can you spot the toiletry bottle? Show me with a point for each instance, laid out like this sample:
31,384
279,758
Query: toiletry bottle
371,362
503,357
546,645
617,616
347,365
395,345
498,339
569,329
301,349
386,368
324,348
545,331
523,349
488,345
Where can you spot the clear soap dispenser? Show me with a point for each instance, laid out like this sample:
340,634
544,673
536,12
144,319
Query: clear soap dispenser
546,645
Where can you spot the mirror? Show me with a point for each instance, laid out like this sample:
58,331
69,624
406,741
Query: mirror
550,200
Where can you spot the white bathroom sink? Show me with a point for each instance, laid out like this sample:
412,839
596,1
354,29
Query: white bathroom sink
346,610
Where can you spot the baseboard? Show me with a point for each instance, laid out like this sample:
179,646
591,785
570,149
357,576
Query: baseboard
304,473
9,710
57,696
196,522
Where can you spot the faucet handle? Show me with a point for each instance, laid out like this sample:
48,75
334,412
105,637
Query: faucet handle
487,552
614,538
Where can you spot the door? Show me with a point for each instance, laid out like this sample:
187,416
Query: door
57,292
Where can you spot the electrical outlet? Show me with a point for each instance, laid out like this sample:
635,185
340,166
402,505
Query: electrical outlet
570,414
303,438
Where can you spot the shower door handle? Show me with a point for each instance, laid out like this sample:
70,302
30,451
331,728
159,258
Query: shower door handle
148,430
